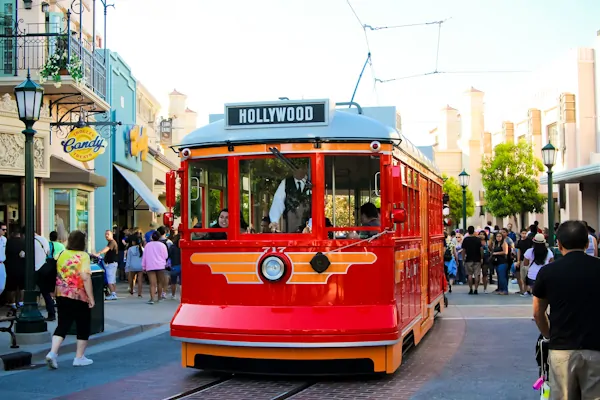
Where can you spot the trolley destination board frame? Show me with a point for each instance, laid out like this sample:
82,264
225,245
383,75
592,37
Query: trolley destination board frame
277,114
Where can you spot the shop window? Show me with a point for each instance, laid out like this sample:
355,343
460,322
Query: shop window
81,211
272,190
352,183
207,192
62,213
69,211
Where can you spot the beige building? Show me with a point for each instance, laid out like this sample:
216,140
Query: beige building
156,165
458,145
563,109
184,121
569,109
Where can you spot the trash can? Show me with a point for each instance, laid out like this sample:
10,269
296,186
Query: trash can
97,323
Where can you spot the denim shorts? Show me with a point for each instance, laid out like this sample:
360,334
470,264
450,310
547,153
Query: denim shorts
175,273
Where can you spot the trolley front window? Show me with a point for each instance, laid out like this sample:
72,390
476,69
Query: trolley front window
207,194
276,194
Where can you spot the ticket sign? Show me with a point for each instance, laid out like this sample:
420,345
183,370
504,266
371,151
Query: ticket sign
84,144
277,114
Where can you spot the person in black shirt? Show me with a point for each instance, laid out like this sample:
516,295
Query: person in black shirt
524,244
569,287
473,256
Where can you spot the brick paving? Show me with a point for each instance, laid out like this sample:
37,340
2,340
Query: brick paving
155,384
246,389
419,366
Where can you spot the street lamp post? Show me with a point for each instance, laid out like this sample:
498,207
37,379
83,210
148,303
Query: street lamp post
29,96
549,158
463,180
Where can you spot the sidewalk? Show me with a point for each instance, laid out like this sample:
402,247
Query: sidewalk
127,316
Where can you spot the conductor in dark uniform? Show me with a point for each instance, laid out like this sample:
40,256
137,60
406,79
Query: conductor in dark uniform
292,201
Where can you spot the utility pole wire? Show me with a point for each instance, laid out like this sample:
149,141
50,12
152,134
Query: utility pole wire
451,72
378,28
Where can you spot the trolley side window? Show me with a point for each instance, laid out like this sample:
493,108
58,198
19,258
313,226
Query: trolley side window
207,195
276,194
352,196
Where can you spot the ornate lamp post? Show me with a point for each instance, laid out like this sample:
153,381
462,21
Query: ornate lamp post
549,158
463,180
29,96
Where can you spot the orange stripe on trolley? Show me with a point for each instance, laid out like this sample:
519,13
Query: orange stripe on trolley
310,278
236,268
242,278
305,268
286,148
224,258
350,258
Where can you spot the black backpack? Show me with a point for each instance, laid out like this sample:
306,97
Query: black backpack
448,254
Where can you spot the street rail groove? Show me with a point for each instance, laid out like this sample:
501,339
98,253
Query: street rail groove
248,388
199,389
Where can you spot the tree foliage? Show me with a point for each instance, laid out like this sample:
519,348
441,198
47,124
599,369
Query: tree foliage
510,179
454,192
345,207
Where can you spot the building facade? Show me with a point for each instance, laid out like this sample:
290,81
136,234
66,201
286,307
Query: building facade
30,37
562,109
458,144
95,193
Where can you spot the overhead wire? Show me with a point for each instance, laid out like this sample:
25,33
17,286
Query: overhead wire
369,54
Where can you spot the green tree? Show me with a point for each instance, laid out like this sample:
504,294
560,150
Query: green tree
454,192
510,179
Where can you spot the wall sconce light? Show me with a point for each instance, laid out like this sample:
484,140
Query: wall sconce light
28,4
45,6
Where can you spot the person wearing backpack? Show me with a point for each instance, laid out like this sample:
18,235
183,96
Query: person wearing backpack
450,266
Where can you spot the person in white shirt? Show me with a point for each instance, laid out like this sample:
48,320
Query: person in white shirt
2,256
42,249
292,201
45,277
536,258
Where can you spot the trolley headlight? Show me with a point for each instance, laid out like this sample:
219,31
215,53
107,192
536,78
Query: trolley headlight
273,268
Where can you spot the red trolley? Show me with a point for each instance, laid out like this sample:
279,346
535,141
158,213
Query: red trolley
286,267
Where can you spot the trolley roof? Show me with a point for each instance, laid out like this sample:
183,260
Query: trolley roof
289,121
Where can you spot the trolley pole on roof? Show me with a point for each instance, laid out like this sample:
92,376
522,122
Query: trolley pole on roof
359,78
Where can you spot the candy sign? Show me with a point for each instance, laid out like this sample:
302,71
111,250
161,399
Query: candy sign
84,144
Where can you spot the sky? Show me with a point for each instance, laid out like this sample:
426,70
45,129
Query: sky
224,51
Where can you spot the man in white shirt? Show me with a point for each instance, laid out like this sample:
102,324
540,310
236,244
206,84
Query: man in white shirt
42,249
2,256
45,278
292,201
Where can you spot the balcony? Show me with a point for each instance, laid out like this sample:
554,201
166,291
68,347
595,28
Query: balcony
19,53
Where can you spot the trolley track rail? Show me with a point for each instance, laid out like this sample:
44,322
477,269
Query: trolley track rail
257,389
199,389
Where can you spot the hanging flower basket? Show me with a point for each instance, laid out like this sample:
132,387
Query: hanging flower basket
56,66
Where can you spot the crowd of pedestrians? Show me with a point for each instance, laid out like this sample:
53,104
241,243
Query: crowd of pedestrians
63,275
563,290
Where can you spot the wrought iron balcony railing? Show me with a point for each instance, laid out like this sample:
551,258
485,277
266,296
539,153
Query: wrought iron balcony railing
20,51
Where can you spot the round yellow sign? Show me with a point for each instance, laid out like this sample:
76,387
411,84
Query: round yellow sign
84,144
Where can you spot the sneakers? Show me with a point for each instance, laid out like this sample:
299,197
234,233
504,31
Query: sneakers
471,291
51,360
475,291
113,296
82,362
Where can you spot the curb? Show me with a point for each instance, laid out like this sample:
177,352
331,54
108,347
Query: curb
99,338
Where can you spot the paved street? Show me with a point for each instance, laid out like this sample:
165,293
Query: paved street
483,347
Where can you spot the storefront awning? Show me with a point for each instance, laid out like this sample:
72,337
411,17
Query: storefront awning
586,174
62,171
140,187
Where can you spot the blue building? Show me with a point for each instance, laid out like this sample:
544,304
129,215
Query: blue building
124,192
